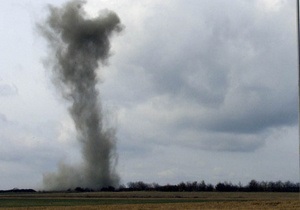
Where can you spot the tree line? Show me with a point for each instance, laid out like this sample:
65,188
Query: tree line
16,190
252,186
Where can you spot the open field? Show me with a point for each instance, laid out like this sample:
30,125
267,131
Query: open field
149,200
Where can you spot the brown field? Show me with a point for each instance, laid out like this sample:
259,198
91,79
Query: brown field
149,200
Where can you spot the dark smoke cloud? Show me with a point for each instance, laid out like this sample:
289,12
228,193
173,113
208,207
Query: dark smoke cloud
77,45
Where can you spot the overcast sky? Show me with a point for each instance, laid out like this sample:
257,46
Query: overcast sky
196,89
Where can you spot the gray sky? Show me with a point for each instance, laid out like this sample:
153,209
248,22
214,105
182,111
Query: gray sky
197,90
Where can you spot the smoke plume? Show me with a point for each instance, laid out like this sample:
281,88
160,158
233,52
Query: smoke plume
77,45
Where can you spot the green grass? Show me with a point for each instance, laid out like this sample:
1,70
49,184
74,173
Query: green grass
32,202
120,198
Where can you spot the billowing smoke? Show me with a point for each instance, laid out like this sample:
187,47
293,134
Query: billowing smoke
77,45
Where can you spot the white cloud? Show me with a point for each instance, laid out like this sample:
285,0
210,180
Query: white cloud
8,89
271,5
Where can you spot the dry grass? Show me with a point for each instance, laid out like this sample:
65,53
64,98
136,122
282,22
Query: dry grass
203,205
169,200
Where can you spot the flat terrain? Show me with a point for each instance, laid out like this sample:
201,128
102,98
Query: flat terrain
149,200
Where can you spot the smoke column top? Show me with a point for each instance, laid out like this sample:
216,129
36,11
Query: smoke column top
77,41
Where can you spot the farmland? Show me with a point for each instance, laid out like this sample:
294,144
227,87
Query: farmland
150,200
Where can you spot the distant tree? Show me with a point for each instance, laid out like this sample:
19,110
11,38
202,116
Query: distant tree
193,186
169,188
79,189
209,187
155,186
291,187
253,186
202,186
139,186
182,187
108,189
122,187
263,186
227,187
271,186
279,186
220,187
